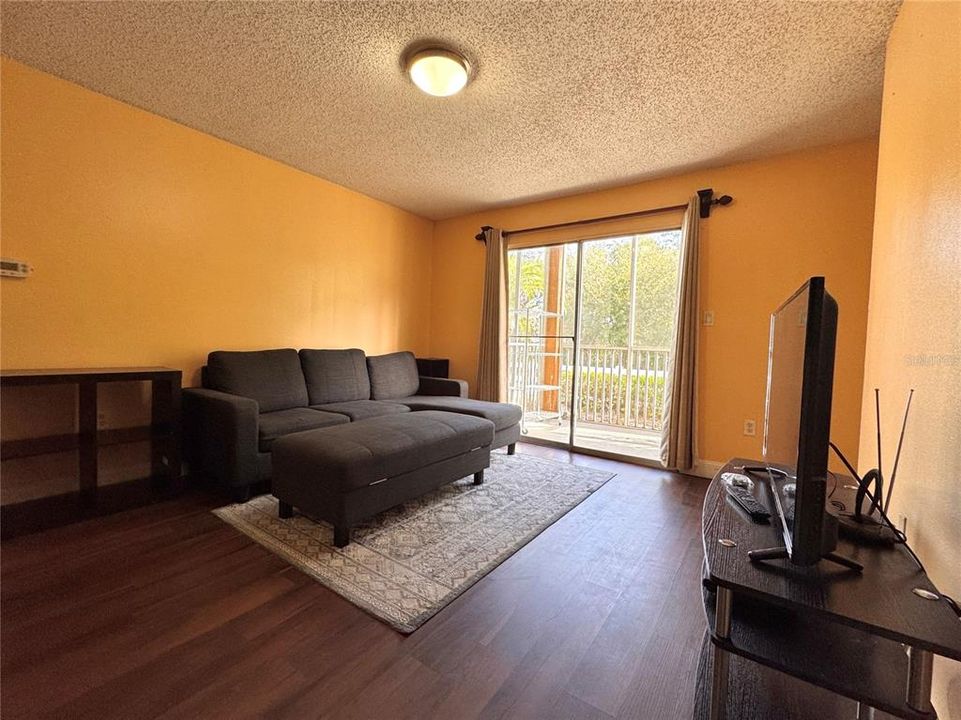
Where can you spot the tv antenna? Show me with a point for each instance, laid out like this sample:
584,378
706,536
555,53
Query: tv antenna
864,526
897,455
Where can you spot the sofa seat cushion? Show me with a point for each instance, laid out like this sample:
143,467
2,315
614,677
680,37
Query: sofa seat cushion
276,424
365,452
393,376
363,409
335,376
503,415
271,377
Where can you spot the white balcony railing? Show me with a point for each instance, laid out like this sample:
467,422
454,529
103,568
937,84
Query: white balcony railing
618,386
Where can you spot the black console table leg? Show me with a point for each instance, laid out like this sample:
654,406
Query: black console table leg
479,478
285,510
920,665
722,660
87,454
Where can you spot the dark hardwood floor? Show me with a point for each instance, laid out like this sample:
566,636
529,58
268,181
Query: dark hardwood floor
168,612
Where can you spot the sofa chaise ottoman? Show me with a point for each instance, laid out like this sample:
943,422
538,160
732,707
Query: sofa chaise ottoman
347,473
394,379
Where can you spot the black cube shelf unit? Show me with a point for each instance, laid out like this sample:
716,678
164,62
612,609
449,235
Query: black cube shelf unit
92,498
813,642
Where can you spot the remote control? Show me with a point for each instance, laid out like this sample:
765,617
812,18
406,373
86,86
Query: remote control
746,499
737,479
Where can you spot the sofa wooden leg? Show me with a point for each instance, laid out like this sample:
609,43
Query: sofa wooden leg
341,536
285,510
241,493
479,478
512,448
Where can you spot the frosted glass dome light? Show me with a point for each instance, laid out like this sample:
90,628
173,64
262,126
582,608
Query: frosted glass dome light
438,72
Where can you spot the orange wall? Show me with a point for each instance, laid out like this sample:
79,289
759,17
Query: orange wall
793,216
914,316
154,243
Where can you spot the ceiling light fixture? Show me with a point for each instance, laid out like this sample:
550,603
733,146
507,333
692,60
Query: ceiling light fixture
438,72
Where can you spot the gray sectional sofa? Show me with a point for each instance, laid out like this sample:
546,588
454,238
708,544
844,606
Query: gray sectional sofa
250,399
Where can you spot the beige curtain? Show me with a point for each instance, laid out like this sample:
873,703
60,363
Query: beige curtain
492,364
677,437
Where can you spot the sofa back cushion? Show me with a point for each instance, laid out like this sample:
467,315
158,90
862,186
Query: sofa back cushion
271,377
335,376
393,376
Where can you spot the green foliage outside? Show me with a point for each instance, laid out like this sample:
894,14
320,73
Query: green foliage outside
533,282
604,398
606,307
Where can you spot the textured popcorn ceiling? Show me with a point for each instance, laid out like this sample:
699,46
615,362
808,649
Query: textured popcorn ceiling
566,96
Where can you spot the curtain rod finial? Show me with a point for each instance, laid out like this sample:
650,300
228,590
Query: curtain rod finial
481,235
706,197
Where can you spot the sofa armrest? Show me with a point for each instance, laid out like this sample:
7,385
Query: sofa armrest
220,433
442,386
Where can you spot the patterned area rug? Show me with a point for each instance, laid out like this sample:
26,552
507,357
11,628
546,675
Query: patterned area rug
407,563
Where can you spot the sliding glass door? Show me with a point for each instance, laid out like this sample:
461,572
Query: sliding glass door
591,324
541,327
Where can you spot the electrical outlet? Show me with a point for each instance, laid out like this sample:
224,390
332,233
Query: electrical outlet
708,317
750,428
101,420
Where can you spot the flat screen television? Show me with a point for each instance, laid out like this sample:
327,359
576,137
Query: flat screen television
797,418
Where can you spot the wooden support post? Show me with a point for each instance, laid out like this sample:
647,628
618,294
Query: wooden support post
551,372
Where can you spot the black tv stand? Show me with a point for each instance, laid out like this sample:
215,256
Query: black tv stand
781,553
818,642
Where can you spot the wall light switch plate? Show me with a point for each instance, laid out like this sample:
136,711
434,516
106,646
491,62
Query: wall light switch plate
750,428
708,317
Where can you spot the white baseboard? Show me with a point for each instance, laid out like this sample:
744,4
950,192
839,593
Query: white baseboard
706,468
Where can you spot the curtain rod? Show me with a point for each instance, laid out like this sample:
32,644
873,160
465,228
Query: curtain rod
706,197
